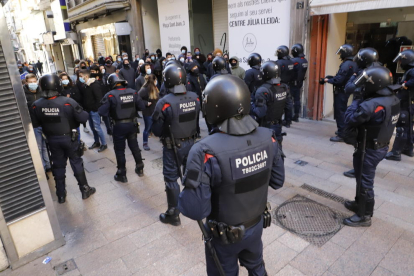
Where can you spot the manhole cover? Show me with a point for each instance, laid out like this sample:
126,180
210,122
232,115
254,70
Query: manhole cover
308,219
157,163
65,267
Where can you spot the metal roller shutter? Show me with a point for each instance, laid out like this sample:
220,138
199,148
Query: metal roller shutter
220,24
98,45
20,193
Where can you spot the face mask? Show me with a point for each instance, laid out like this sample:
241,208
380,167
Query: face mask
155,83
33,86
82,80
146,53
196,71
94,75
126,65
99,56
103,71
119,59
124,58
234,64
168,59
197,53
148,71
163,63
173,58
209,58
83,67
65,82
137,59
153,58
182,60
182,51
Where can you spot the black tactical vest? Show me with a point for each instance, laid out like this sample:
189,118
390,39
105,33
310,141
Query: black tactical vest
53,118
246,164
381,134
124,107
302,67
286,66
185,110
276,105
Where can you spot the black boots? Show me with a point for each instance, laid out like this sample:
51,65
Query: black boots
60,190
121,176
394,156
359,219
85,189
172,215
296,118
336,139
95,145
350,173
139,169
351,206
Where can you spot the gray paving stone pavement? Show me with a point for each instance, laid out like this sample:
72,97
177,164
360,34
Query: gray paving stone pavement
117,231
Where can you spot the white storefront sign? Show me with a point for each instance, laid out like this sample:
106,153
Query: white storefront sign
258,26
174,25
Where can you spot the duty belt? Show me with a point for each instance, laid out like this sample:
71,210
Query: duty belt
252,222
375,145
123,121
272,123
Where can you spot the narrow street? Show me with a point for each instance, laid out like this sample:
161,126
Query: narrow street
117,231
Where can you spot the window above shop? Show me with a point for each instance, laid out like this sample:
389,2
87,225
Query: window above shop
319,7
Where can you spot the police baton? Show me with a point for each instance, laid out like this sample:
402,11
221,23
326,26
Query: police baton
410,113
358,176
206,237
47,147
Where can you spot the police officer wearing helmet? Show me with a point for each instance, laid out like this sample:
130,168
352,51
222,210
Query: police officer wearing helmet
347,68
287,75
403,143
164,90
270,100
175,121
59,118
227,178
366,58
300,64
196,83
373,117
253,77
122,104
219,67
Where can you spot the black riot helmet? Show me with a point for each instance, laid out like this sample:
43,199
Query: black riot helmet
345,51
365,57
225,97
254,59
173,62
270,71
114,79
374,79
50,85
282,51
406,58
219,64
297,50
174,78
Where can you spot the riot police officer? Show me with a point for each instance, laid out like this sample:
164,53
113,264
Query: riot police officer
254,77
374,115
403,142
300,64
122,104
227,178
164,90
365,58
59,118
219,67
175,121
287,75
347,68
271,100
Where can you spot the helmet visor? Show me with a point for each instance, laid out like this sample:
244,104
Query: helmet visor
363,79
399,57
339,50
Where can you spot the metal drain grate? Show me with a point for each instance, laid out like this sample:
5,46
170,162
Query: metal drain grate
324,194
157,163
308,219
65,267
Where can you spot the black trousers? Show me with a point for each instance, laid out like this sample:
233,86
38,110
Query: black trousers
340,106
126,132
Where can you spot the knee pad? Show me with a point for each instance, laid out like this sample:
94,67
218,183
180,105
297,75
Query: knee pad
403,121
399,131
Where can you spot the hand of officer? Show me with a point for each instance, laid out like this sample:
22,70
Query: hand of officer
325,79
403,86
149,103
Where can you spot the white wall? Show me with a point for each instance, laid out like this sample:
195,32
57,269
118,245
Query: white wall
149,10
336,38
